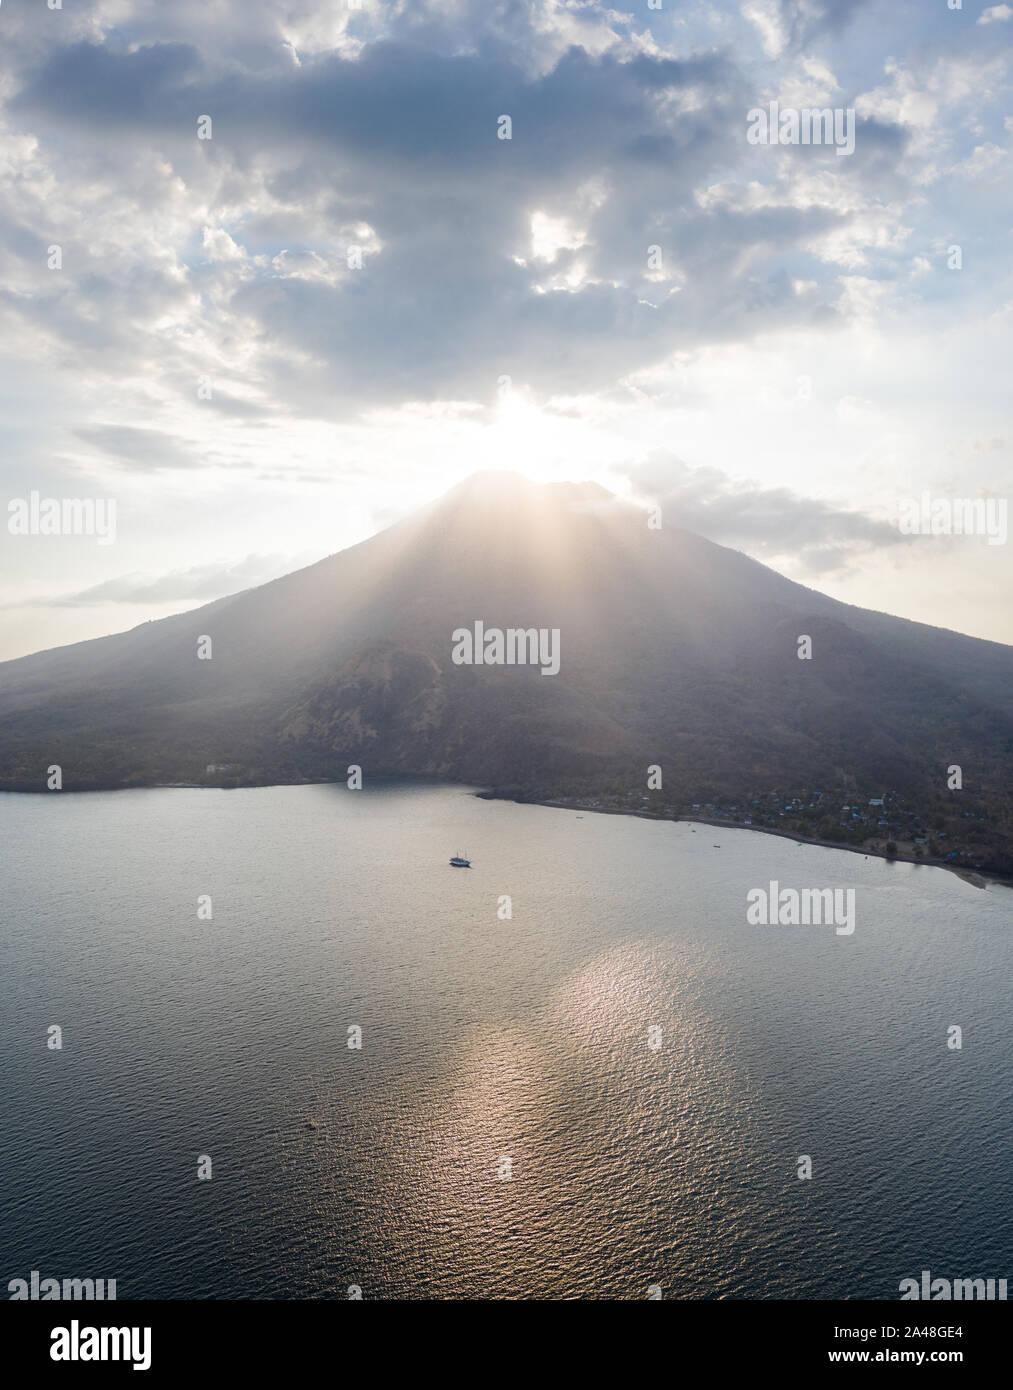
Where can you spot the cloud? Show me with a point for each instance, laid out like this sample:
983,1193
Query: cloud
996,14
200,583
770,523
784,24
395,149
141,448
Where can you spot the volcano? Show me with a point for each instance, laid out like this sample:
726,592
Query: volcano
674,652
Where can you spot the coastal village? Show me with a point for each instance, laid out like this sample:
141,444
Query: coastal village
881,824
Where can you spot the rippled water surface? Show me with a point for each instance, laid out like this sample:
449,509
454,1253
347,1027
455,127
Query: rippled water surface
483,1040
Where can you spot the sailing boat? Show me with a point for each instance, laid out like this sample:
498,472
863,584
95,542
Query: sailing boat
460,862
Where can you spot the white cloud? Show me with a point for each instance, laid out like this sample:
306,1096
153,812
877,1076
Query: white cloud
984,159
766,15
219,246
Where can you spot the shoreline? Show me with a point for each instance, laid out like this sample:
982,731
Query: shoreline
977,878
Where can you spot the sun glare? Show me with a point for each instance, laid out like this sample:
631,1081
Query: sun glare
530,440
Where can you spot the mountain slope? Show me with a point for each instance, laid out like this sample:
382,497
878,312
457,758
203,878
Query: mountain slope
674,651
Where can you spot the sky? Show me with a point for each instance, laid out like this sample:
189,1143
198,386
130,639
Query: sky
271,278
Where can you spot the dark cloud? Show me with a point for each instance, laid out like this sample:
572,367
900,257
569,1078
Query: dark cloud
833,15
401,136
806,20
100,87
405,140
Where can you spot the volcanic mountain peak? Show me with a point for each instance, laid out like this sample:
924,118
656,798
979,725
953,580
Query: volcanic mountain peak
673,651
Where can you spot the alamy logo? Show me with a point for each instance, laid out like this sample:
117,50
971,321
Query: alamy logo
514,646
960,1290
63,516
805,907
77,1343
775,124
953,516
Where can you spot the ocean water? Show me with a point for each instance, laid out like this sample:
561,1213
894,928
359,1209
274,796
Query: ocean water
505,1130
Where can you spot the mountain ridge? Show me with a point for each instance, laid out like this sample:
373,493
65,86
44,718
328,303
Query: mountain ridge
675,651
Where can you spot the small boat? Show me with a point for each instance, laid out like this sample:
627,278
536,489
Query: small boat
459,862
